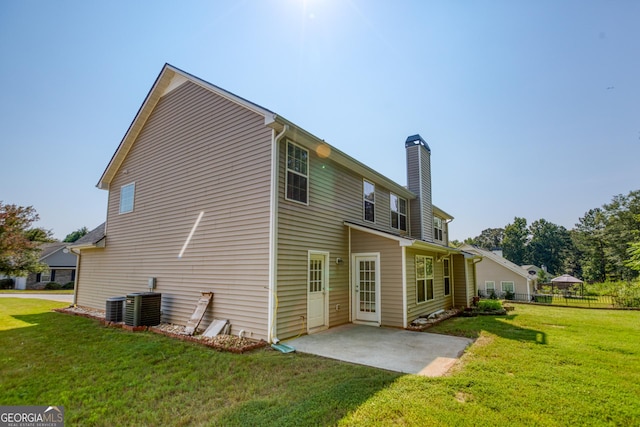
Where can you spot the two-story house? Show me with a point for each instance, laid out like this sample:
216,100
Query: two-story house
210,192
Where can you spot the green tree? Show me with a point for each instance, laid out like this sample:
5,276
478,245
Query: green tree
621,231
514,242
549,245
72,237
589,238
40,235
490,238
633,262
18,254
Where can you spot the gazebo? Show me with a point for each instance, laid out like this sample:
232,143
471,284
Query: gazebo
567,280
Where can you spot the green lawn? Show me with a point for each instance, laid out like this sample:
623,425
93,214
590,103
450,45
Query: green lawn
41,291
537,366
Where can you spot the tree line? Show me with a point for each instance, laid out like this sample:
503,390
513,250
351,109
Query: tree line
603,245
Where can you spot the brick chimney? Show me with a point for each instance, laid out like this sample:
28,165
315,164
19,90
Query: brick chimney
419,182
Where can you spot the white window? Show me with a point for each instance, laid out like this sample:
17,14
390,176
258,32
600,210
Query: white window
447,276
424,278
437,228
127,193
45,276
508,287
489,286
369,198
398,213
297,174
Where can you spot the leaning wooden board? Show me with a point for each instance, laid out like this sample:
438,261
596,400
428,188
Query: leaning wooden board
198,314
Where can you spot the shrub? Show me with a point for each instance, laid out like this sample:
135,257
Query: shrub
509,295
53,286
6,283
489,305
68,285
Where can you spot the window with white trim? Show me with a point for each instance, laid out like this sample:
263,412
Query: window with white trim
398,212
369,200
127,195
45,276
446,272
424,278
508,287
489,286
437,228
297,174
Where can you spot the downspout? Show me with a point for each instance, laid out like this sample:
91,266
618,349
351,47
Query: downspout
75,285
475,275
405,322
273,238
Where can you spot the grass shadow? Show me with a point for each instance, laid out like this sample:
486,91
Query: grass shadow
502,326
106,376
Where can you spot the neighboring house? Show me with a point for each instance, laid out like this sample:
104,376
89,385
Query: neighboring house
210,192
61,266
496,274
536,271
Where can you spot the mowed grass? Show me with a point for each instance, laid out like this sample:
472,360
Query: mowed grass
537,366
111,377
38,291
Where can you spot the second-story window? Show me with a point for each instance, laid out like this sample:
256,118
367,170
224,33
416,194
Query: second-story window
398,213
127,195
369,198
437,228
297,173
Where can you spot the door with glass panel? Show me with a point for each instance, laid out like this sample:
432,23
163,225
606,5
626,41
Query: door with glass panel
317,291
366,288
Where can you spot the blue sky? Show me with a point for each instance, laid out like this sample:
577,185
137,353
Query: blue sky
531,108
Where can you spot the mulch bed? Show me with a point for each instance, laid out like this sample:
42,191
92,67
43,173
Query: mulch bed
230,343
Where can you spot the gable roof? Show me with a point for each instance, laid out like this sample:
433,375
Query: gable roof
48,249
171,77
498,260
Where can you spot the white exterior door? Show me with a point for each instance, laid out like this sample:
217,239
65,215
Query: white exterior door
366,287
317,287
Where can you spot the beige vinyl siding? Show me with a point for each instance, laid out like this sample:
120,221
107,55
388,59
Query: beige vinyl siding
335,196
390,273
419,180
439,301
460,281
488,270
471,281
197,152
413,173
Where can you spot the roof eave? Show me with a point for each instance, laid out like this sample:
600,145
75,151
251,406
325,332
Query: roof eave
158,89
404,241
312,142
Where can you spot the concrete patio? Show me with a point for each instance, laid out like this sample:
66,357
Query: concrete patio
399,350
